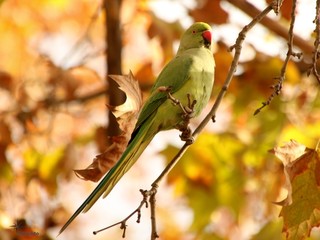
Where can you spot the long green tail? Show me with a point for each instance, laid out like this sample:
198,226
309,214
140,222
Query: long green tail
128,158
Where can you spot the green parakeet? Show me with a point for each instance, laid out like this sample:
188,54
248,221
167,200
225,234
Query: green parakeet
190,72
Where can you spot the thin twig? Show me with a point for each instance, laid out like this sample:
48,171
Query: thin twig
147,195
122,223
152,201
85,35
290,53
316,53
49,102
277,5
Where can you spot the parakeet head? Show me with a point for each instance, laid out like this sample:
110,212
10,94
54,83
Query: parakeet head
196,36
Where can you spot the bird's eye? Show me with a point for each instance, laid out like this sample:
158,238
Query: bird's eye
193,31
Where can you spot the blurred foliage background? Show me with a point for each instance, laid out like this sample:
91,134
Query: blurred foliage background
53,119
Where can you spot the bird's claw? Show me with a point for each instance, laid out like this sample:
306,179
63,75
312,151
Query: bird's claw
187,114
186,135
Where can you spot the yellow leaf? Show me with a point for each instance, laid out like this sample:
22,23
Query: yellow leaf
49,162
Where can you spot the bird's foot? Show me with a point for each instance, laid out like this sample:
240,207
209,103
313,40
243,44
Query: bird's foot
186,135
187,114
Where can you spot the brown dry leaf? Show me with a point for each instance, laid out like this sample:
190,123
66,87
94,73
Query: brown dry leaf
285,9
260,73
167,34
223,59
65,84
289,152
126,115
209,11
301,208
22,231
6,81
87,79
145,75
5,140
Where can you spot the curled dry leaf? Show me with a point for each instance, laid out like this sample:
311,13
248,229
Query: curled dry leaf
204,12
301,209
289,152
126,115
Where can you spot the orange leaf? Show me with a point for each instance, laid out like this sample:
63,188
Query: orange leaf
6,81
285,9
20,230
205,13
145,74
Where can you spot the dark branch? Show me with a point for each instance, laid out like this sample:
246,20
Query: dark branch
115,96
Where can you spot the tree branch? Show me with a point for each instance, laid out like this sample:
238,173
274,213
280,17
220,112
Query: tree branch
290,53
123,223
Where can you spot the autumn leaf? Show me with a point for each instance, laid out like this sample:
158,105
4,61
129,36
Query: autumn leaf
20,230
204,12
301,209
5,140
260,73
285,9
166,33
145,75
6,80
126,115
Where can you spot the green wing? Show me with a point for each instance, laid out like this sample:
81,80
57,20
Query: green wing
174,75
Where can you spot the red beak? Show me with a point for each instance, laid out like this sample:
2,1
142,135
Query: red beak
207,36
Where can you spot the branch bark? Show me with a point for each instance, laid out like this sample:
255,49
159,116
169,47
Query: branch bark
114,49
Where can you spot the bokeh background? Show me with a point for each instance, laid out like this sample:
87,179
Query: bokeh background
53,118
